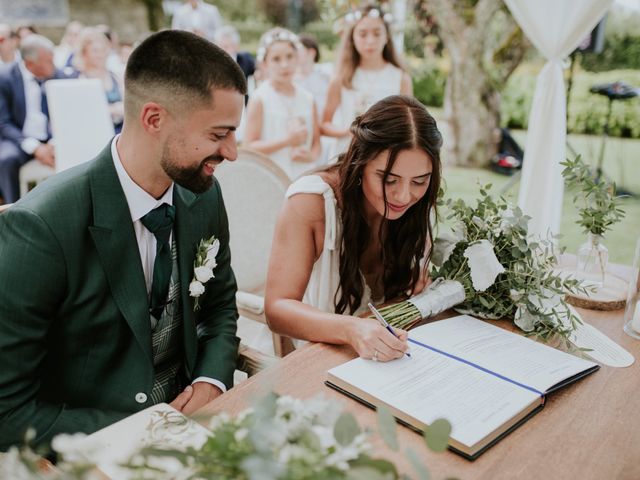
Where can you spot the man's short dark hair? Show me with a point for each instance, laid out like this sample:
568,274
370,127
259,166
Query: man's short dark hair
177,69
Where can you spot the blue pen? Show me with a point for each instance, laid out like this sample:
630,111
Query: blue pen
384,323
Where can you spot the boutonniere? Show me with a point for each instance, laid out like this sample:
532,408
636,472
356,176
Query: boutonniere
203,267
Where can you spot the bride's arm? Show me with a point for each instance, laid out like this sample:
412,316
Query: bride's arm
296,246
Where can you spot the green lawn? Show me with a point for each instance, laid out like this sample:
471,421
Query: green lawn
621,164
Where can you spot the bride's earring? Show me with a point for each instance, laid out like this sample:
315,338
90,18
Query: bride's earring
359,180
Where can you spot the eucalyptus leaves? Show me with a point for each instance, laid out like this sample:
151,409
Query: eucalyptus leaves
278,438
504,273
598,206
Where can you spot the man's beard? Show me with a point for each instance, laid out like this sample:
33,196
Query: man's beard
191,178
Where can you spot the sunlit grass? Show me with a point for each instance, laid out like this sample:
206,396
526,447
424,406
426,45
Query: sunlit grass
621,164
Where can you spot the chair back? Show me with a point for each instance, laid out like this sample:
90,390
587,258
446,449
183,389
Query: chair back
80,120
253,187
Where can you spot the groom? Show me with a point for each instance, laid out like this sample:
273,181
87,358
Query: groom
96,319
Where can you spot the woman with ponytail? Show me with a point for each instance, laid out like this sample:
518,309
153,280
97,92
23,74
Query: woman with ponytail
358,231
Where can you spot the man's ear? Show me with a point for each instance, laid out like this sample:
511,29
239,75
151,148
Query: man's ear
153,118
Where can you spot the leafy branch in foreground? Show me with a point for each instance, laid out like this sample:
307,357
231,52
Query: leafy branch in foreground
279,438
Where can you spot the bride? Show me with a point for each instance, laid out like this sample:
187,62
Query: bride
358,231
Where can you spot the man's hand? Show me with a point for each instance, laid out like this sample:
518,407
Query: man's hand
45,154
195,397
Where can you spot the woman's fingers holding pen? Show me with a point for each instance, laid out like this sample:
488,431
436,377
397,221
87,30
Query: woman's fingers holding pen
398,343
374,342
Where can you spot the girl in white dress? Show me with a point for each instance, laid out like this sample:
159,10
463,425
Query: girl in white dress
368,70
281,117
357,231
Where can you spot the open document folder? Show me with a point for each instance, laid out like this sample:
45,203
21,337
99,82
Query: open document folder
484,380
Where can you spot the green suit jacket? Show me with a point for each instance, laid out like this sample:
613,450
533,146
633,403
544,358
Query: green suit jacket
75,338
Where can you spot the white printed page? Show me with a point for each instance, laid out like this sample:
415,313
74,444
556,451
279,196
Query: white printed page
429,386
511,355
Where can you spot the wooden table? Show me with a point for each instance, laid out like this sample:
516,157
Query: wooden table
589,430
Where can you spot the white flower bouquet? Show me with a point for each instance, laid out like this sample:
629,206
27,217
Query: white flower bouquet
278,438
502,271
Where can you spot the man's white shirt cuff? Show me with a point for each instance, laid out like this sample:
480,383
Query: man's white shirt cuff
29,145
215,383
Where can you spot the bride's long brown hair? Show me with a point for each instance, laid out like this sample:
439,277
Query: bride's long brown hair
393,124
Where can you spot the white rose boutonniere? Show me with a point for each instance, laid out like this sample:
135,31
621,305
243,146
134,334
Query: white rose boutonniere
203,267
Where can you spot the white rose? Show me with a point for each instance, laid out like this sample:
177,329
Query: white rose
212,250
203,274
483,263
70,446
196,288
210,263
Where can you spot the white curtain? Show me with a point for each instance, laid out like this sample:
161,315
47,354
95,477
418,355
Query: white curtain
556,28
399,12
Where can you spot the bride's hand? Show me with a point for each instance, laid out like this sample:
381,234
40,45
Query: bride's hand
367,337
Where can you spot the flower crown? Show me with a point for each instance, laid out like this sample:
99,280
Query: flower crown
280,36
355,16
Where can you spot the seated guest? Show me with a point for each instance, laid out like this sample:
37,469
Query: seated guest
97,316
24,116
91,62
358,231
63,56
8,45
228,39
23,31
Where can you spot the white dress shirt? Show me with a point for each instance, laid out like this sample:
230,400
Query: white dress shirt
140,203
204,19
35,122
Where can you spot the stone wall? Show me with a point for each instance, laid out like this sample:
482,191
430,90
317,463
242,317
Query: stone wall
126,17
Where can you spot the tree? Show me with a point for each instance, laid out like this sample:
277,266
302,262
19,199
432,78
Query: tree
485,45
155,14
293,14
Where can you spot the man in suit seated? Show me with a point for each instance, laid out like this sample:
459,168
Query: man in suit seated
228,39
24,117
97,320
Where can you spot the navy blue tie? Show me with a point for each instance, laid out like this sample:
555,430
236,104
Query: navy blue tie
44,106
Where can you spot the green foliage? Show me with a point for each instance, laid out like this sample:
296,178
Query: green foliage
437,435
416,463
283,13
346,429
387,427
621,44
620,52
324,34
279,438
428,85
527,291
597,204
587,111
238,10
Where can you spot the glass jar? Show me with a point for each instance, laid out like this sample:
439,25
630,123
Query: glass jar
593,257
632,310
